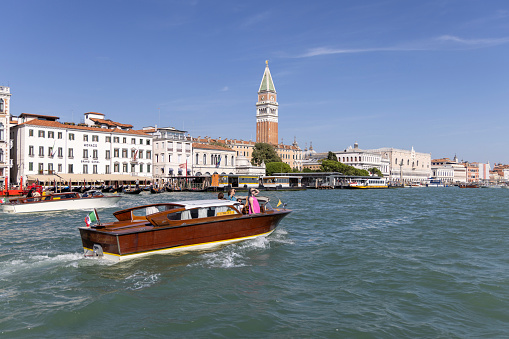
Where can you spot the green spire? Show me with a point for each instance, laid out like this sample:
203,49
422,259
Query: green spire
267,85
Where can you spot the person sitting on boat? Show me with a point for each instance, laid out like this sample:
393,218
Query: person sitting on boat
30,193
254,206
220,196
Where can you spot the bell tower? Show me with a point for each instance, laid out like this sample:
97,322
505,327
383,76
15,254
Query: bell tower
5,143
267,110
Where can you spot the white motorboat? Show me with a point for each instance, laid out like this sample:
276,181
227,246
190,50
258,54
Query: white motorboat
59,202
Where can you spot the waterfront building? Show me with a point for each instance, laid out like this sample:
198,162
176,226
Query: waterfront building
172,152
364,159
484,171
406,166
210,159
48,150
445,165
472,172
445,173
5,141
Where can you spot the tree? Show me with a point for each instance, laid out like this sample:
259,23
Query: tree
375,171
332,156
263,152
277,167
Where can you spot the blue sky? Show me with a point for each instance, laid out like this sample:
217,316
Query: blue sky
395,73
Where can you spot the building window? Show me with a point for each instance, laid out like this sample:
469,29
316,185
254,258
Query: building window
85,137
141,154
141,141
204,159
124,168
116,153
124,152
124,140
70,169
41,168
148,142
41,151
30,166
59,168
141,168
116,168
59,135
108,154
85,169
30,151
149,155
50,152
30,132
108,139
94,154
116,139
133,141
133,168
71,136
169,157
108,169
85,153
94,169
2,105
50,168
95,138
71,154
41,134
148,168
133,153
197,157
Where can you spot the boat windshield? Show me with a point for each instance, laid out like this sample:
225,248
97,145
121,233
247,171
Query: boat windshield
202,212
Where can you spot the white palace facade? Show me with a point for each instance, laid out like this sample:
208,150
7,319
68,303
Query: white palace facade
95,151
5,144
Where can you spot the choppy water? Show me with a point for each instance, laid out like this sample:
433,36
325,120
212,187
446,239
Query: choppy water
414,262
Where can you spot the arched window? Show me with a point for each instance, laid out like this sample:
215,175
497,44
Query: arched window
1,131
204,159
1,105
1,155
232,161
396,161
196,159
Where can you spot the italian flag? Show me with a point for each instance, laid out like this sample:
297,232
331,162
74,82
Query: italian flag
92,217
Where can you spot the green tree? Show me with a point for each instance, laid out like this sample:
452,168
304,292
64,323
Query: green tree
277,167
375,171
332,156
263,152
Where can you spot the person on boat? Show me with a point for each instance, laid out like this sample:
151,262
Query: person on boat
254,206
220,196
30,193
231,195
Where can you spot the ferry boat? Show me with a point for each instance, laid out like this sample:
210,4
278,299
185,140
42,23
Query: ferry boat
59,202
435,183
177,226
281,182
368,183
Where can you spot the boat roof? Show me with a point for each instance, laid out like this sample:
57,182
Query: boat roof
203,203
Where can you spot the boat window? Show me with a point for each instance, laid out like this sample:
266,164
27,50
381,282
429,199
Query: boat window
202,213
174,216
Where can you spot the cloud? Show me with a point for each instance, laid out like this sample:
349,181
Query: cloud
444,42
225,89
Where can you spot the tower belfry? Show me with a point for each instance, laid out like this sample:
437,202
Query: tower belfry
267,110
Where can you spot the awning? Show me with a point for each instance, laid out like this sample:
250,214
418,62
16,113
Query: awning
88,178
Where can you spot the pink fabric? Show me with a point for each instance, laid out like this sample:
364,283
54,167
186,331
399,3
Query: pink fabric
256,206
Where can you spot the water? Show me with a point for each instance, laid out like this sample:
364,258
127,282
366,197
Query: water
411,262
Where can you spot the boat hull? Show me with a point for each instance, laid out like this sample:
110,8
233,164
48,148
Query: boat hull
125,244
61,205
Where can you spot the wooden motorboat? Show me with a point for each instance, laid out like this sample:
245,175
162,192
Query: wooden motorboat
177,226
59,201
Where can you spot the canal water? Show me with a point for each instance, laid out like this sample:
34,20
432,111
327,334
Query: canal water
413,262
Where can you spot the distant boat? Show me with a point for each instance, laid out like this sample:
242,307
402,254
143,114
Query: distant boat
435,183
59,202
368,184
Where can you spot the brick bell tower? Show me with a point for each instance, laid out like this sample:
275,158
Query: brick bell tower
267,110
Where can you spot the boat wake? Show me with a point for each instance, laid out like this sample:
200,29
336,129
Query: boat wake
140,280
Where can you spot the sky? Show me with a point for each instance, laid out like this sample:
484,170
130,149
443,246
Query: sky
432,74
